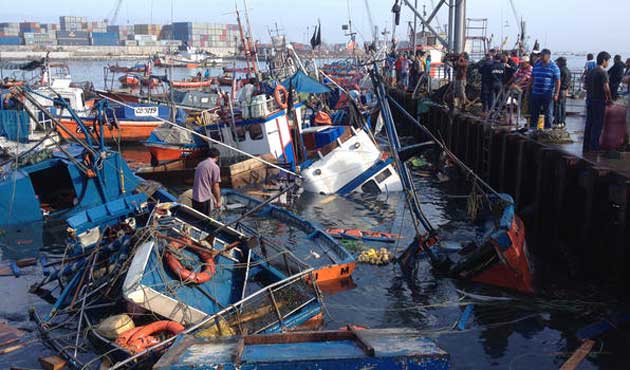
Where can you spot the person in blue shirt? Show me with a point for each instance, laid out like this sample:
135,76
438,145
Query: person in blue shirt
206,74
545,89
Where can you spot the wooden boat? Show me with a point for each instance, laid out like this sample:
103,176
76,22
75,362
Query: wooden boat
129,80
138,68
336,262
132,123
375,349
157,280
236,70
186,84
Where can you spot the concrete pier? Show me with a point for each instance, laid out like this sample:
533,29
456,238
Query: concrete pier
576,208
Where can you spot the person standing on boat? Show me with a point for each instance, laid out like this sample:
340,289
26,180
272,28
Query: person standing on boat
545,89
206,75
597,97
560,108
246,94
206,195
615,76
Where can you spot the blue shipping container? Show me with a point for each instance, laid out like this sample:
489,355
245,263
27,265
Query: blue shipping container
10,40
73,42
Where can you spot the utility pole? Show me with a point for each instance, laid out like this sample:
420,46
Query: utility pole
415,29
451,21
459,34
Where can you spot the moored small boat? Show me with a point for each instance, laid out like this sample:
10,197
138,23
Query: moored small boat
375,349
185,84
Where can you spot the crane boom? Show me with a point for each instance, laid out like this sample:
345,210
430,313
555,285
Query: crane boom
114,12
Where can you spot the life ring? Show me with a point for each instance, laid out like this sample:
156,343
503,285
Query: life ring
277,94
186,275
140,338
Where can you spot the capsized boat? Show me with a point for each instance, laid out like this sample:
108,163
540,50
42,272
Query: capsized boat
329,259
377,349
499,258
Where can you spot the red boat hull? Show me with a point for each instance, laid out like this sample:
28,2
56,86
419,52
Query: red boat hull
128,131
167,153
516,273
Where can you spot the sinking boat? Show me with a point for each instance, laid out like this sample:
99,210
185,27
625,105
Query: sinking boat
321,252
375,349
333,159
498,258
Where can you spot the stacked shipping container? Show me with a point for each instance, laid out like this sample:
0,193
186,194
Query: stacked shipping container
207,35
104,39
9,34
69,23
39,39
73,38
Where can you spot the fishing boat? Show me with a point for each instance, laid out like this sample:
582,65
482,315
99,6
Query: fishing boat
192,84
498,258
129,80
69,180
329,259
377,349
333,159
138,68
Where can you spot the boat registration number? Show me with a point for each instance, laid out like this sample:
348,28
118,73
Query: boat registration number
145,111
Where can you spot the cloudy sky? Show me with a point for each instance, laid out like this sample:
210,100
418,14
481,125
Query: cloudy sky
568,25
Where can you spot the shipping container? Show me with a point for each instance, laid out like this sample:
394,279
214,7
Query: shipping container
10,40
73,42
73,34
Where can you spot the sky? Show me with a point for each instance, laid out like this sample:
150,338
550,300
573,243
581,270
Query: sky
561,25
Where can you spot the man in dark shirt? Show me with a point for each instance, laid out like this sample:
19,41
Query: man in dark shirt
560,108
597,96
615,75
492,75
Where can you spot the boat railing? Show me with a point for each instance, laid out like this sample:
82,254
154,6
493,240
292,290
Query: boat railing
273,305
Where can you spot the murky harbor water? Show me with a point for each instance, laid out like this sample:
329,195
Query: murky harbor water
515,332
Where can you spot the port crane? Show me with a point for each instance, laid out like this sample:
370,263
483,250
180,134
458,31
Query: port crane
114,12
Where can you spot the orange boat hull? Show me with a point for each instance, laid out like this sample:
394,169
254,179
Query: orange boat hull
334,272
516,274
191,84
128,131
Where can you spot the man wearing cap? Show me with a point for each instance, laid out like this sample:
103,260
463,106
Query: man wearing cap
520,80
545,89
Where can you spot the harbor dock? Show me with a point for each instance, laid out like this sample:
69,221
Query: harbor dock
575,207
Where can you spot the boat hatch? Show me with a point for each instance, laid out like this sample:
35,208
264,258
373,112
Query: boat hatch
54,188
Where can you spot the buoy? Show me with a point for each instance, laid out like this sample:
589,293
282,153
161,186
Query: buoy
138,339
281,96
185,274
374,257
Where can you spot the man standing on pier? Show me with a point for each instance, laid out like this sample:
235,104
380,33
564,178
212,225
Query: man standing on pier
560,107
545,89
597,96
206,194
615,75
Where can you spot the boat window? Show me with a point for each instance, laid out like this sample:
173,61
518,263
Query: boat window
205,100
54,188
239,133
383,175
256,132
370,187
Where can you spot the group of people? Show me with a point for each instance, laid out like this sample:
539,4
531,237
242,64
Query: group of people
406,69
540,84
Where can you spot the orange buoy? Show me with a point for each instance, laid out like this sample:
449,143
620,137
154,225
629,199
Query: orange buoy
279,94
140,338
186,275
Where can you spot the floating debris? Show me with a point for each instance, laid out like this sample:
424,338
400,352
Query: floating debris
374,257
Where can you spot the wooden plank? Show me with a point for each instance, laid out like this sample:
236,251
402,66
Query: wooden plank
579,355
365,346
52,363
285,338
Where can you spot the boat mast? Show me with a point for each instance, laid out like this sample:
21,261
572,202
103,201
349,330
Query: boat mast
250,66
250,35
